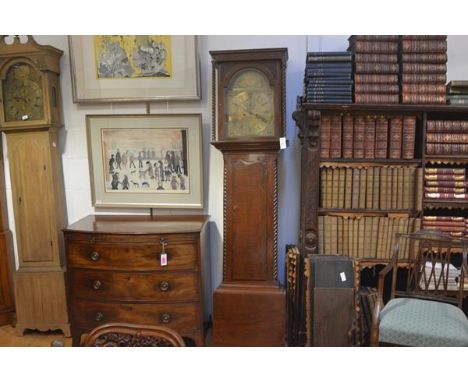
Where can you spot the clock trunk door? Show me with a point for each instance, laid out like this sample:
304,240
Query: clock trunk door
29,158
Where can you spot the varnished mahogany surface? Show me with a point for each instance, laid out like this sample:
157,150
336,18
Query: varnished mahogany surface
115,272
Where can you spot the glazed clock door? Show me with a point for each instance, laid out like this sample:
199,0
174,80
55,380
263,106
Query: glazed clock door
33,195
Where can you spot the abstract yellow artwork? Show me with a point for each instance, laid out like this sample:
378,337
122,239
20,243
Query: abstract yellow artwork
142,56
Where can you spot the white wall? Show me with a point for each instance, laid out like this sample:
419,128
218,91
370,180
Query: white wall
74,148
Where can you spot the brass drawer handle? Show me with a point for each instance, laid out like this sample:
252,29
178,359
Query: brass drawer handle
97,285
164,286
166,318
99,316
95,256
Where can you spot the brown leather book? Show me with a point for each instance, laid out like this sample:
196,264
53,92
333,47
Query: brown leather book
335,136
325,136
359,136
444,177
377,88
444,218
426,98
380,57
409,137
423,88
375,79
377,68
446,195
348,135
386,47
424,37
372,37
371,98
381,137
447,137
412,78
447,183
443,126
425,58
395,141
417,68
433,223
369,138
423,46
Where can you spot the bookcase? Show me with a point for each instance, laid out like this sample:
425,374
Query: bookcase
354,202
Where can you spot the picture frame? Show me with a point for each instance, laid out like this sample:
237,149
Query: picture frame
124,68
146,161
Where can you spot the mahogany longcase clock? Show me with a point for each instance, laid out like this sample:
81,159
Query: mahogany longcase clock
248,121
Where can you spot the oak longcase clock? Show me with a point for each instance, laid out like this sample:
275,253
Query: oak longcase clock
248,121
30,116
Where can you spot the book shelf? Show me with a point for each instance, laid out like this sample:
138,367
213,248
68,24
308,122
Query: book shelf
313,237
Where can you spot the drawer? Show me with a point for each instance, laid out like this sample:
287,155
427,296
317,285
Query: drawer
136,286
131,256
180,317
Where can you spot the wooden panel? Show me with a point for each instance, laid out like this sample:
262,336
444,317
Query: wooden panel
40,301
249,236
127,286
131,256
183,317
33,198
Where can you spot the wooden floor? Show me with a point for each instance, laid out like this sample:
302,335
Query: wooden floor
34,338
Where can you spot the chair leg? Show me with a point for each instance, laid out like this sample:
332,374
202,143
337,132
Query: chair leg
374,336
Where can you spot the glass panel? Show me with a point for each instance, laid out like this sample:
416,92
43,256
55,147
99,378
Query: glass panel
249,105
22,94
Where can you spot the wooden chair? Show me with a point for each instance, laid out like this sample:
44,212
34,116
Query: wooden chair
428,312
128,335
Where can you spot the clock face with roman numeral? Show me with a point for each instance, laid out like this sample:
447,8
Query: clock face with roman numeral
22,94
249,110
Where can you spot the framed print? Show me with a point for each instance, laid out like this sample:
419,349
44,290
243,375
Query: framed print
118,68
152,160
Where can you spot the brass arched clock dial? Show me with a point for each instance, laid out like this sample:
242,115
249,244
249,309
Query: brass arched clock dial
22,94
249,110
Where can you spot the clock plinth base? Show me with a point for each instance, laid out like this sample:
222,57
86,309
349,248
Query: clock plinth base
246,314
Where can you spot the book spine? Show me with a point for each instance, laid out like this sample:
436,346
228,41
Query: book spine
370,188
325,136
355,189
395,185
375,98
348,136
383,189
444,171
374,47
446,149
416,98
445,190
376,79
376,88
362,188
335,136
313,59
383,58
369,139
359,136
458,101
447,183
409,137
381,138
334,188
423,46
329,65
376,188
450,177
396,130
424,88
341,186
323,183
424,37
329,187
429,223
424,68
445,195
419,189
423,78
376,67
444,218
444,126
424,58
349,187
376,37
446,138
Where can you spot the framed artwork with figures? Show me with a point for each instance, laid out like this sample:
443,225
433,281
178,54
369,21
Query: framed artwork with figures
146,160
117,68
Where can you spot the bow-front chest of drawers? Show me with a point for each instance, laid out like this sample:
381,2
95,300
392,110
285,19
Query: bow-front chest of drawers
116,272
